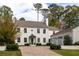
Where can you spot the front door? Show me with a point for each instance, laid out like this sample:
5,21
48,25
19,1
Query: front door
32,41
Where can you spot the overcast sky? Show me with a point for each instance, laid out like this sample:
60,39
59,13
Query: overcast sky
22,8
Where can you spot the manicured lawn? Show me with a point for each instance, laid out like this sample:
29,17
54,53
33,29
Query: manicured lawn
68,52
10,53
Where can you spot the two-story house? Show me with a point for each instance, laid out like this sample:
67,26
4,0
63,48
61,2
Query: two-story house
32,32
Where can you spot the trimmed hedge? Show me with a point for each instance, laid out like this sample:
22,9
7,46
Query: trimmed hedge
76,43
27,44
38,44
67,40
54,46
12,47
48,44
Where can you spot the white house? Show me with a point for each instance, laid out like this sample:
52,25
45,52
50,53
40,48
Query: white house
32,32
58,37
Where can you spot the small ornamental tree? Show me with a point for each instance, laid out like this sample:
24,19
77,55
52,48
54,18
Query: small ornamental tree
67,40
7,27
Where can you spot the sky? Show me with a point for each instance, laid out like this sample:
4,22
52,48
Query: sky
25,8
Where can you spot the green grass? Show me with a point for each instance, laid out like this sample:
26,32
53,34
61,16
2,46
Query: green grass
10,53
68,52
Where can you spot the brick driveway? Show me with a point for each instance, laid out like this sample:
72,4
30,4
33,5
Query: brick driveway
37,51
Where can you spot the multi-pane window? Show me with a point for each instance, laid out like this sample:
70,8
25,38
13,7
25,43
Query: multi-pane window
18,29
49,40
25,39
18,39
38,30
44,40
44,31
38,39
25,30
60,37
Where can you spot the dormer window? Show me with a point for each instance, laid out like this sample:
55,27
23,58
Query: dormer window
25,30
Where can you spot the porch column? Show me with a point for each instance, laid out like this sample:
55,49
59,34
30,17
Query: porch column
29,40
63,40
34,40
57,40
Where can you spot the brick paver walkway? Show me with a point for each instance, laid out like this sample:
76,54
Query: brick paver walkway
37,51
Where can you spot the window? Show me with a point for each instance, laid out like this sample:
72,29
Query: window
38,30
44,40
32,30
44,31
18,39
25,39
59,37
49,41
18,29
38,39
25,30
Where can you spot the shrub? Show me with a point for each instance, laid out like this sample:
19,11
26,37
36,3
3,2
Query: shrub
59,47
27,44
76,43
48,44
12,47
38,44
2,44
67,40
54,46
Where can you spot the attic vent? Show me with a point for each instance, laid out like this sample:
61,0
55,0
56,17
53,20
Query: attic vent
22,19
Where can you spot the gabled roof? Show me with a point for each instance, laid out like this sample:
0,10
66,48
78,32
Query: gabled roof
31,24
62,31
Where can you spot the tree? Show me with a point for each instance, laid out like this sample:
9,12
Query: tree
53,22
55,15
22,19
71,16
38,6
67,40
68,15
7,27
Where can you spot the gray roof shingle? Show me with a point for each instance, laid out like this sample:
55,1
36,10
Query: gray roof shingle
63,31
31,24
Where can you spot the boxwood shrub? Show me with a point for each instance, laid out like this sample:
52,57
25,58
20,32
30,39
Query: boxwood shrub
12,47
48,44
38,44
54,46
76,43
27,44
